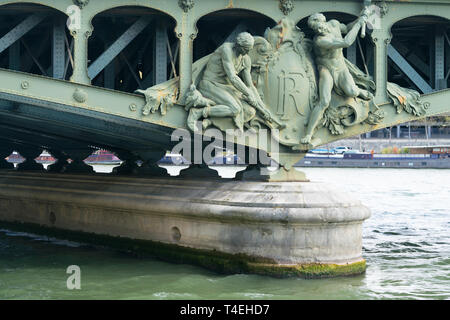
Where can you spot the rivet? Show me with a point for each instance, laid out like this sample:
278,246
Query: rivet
80,95
25,85
133,107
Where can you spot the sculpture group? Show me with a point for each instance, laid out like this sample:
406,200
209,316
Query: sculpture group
283,81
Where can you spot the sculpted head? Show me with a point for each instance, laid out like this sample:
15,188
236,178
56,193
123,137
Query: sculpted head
244,42
318,23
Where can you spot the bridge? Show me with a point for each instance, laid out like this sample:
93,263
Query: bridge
78,75
71,90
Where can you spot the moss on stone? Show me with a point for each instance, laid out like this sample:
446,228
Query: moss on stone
310,271
211,259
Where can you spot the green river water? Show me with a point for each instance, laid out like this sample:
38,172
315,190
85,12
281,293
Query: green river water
406,243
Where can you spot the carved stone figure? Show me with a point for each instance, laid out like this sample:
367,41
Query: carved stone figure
333,71
283,81
226,88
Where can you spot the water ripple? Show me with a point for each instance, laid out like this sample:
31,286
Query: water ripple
406,244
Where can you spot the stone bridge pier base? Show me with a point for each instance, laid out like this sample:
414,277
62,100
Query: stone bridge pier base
303,229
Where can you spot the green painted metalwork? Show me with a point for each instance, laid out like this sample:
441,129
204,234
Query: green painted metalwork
78,96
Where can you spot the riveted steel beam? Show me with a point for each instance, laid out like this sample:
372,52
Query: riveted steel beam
410,56
59,49
27,59
110,118
109,80
132,71
408,70
14,56
447,58
439,59
107,117
20,30
64,128
160,54
116,48
34,57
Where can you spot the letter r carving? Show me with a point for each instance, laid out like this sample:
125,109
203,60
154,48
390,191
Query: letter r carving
288,86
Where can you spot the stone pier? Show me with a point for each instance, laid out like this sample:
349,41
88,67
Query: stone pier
300,229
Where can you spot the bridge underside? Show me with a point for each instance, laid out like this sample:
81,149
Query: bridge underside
72,92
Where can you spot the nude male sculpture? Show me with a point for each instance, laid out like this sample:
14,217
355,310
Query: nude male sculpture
227,82
333,72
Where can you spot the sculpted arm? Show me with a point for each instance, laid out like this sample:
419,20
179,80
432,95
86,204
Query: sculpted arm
247,77
364,14
246,73
344,28
348,26
254,99
333,43
231,72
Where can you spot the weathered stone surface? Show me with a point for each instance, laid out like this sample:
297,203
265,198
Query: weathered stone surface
272,83
288,223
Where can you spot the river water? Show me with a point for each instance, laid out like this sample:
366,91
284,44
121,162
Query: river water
406,243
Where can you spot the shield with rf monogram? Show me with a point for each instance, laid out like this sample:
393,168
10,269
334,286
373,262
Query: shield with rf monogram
290,89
